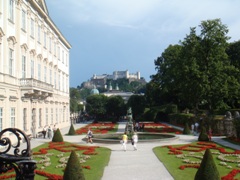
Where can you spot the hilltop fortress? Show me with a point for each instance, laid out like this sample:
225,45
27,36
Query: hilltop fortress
101,80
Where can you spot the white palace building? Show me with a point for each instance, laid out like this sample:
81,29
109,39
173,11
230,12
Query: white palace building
34,68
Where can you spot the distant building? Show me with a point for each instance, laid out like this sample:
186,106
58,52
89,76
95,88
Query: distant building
124,95
118,75
100,81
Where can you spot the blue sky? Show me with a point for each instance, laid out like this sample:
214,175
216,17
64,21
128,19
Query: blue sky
111,35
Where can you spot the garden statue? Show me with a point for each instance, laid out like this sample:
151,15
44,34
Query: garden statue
236,115
129,126
228,115
129,115
228,124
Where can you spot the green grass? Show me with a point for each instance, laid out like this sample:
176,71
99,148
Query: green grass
97,162
172,163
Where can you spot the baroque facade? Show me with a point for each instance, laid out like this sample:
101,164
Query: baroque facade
34,68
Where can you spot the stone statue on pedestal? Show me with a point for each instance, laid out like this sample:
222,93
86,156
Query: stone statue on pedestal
129,126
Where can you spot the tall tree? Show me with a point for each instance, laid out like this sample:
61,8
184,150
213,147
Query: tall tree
138,104
219,79
74,100
116,106
166,82
96,105
198,70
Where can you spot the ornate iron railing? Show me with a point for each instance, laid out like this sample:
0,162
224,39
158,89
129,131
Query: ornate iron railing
20,158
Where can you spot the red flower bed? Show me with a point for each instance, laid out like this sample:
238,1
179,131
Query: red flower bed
87,150
189,166
159,128
97,128
231,175
48,175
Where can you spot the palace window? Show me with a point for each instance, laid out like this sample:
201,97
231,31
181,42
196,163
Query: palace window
11,10
25,119
23,19
1,118
32,27
39,72
40,118
46,116
12,113
11,61
32,69
23,66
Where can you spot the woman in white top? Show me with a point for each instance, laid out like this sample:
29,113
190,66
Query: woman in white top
134,141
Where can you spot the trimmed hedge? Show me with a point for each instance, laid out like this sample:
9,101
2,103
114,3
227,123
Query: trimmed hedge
203,136
73,169
71,130
186,129
208,169
57,137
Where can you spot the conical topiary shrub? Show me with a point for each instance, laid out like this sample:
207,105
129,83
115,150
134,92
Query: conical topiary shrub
203,136
71,130
186,129
208,169
73,169
57,136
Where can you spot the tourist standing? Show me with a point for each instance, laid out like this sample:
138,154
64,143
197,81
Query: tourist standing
89,135
44,132
192,128
49,131
210,134
124,141
196,127
134,141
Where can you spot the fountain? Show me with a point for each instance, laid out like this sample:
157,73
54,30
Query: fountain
143,137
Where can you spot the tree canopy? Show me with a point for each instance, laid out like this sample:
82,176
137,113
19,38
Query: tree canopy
197,71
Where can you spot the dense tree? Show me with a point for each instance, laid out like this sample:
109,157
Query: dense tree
74,100
84,93
233,52
116,106
138,104
198,71
96,105
166,82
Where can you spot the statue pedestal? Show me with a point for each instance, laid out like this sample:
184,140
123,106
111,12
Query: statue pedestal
129,127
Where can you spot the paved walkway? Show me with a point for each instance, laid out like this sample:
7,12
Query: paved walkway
133,165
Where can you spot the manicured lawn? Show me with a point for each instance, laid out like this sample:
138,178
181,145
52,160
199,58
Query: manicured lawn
93,160
182,161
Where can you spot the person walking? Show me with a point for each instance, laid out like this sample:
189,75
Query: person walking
196,128
89,136
124,141
134,141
